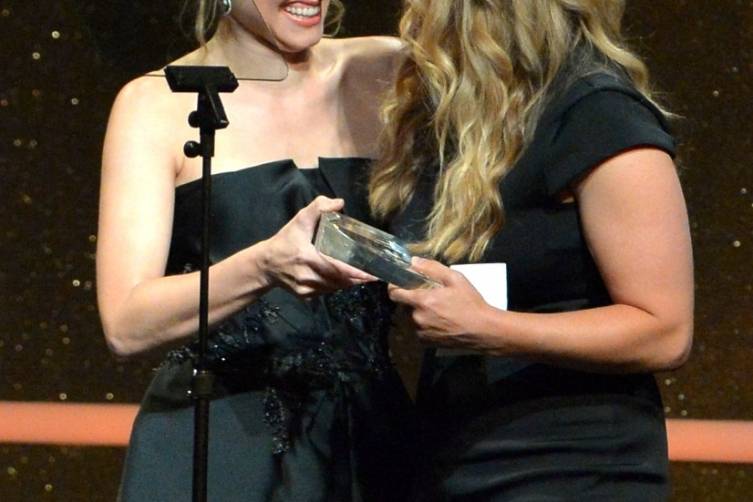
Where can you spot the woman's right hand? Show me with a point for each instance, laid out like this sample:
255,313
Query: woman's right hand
292,262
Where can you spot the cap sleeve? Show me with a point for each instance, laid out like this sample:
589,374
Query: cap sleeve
598,126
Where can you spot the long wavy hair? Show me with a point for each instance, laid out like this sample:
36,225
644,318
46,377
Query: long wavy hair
467,99
207,15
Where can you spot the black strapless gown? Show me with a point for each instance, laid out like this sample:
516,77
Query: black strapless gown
308,405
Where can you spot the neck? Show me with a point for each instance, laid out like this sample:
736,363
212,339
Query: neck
250,55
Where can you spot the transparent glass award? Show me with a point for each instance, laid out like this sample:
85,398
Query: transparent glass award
367,248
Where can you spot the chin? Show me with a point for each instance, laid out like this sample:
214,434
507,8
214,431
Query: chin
294,45
299,25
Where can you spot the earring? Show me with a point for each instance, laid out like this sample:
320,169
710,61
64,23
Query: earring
227,6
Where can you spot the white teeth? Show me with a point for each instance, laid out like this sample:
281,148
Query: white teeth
304,11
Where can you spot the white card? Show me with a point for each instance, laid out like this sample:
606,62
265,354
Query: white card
489,279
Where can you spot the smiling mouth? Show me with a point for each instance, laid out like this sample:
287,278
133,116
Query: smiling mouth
304,11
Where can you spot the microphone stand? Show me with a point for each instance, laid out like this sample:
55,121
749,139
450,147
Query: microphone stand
209,116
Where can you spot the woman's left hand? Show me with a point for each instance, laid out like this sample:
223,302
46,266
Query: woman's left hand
450,315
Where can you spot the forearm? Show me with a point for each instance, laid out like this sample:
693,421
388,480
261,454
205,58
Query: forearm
617,338
165,311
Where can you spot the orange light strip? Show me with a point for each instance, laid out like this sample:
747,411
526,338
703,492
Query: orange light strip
66,423
721,441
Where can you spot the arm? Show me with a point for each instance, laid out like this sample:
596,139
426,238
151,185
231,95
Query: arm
140,308
635,223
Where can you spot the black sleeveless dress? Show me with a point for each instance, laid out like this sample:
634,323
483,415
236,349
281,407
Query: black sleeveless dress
502,429
308,406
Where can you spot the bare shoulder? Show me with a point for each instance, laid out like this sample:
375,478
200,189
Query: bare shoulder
367,64
148,113
144,86
376,55
379,51
144,125
380,46
146,95
150,94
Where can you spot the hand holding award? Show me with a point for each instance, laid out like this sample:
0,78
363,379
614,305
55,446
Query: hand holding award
369,249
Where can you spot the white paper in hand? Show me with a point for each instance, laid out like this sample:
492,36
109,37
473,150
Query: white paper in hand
489,279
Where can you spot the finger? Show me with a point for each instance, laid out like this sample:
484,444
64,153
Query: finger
324,204
307,218
330,278
404,296
309,215
333,269
306,289
349,270
433,270
316,286
336,274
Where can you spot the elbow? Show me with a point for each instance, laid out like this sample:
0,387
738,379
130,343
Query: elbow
119,348
681,353
126,335
118,341
676,348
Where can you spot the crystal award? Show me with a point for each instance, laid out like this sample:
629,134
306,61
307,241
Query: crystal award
369,249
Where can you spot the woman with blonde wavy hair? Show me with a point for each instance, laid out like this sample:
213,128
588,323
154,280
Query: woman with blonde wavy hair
525,132
306,404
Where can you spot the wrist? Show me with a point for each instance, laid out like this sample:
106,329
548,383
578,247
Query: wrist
259,265
492,330
482,324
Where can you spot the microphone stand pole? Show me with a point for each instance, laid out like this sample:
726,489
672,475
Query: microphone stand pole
209,116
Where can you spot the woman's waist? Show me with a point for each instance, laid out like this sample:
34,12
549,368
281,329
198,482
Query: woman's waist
347,325
309,361
479,381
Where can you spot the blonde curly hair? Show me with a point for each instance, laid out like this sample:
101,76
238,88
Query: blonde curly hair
467,98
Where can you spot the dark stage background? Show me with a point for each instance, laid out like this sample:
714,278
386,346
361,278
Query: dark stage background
61,64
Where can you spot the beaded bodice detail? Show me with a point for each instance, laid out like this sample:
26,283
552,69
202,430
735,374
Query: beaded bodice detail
284,346
347,345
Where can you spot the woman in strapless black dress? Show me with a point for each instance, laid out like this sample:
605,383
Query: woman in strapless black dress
524,132
307,405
